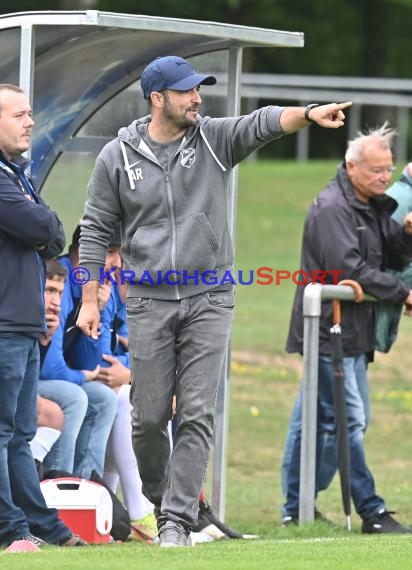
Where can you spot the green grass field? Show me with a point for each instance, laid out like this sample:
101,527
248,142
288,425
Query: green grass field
327,553
273,198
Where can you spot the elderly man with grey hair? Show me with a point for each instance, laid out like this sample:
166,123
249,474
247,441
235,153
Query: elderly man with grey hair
349,228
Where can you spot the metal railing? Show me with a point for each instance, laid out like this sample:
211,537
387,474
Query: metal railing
312,298
381,92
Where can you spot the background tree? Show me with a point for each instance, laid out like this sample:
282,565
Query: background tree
366,38
342,37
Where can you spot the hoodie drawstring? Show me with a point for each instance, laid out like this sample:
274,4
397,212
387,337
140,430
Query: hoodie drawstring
127,166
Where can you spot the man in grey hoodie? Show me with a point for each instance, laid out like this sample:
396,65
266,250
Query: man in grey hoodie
166,178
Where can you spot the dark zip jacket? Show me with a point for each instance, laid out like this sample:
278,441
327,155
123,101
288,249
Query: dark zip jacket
362,240
29,233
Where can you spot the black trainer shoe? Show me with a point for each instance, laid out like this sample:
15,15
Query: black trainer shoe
173,534
384,523
206,517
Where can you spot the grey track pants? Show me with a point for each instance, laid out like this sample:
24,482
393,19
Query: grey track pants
177,348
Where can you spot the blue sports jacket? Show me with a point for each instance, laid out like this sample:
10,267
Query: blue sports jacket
54,365
87,354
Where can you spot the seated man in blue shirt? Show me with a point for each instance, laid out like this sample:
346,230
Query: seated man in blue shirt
80,449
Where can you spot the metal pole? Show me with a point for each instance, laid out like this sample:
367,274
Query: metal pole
311,315
312,298
222,403
26,73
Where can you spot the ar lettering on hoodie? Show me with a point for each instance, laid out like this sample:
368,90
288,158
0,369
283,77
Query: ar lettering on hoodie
136,174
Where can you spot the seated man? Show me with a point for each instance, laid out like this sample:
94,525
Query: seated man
50,420
89,407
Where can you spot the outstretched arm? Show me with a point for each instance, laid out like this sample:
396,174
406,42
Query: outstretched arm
330,116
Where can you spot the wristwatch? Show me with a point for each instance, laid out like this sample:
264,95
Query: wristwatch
308,110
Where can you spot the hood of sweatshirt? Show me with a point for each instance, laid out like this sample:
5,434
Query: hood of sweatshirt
133,135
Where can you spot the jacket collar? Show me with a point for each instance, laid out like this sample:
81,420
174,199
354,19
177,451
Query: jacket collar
19,161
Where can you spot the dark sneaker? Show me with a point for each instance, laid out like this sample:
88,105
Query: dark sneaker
384,523
210,524
73,540
173,534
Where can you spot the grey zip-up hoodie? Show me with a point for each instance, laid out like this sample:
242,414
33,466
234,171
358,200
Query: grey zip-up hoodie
174,222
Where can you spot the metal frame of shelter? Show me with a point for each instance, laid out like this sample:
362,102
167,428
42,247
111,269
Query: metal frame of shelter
71,63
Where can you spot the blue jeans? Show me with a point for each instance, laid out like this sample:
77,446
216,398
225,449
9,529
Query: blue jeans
89,412
328,464
22,506
94,434
366,502
72,399
177,347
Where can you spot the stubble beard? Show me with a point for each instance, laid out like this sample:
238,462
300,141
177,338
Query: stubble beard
180,122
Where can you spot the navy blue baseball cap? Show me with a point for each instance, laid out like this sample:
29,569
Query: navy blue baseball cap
171,72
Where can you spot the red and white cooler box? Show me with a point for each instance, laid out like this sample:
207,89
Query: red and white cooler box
84,506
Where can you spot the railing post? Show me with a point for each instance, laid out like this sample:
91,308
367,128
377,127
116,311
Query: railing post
313,296
311,315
